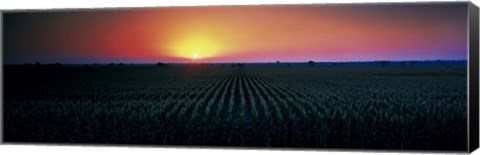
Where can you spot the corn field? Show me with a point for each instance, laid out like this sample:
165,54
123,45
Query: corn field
310,107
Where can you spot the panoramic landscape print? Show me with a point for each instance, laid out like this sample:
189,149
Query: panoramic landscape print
349,76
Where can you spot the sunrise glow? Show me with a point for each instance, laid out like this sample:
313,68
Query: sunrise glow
296,33
196,46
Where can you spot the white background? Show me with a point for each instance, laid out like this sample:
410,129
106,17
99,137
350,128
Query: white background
85,150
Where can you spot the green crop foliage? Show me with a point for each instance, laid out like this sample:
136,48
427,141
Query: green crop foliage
320,107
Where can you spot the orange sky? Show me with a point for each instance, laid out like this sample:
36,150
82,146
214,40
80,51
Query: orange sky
240,34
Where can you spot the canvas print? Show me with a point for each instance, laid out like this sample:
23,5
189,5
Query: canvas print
330,76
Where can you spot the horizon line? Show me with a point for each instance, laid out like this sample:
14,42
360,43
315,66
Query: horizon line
264,62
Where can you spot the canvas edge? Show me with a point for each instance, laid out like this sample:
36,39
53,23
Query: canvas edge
473,101
107,8
1,76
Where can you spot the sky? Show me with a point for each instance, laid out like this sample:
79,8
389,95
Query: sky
262,33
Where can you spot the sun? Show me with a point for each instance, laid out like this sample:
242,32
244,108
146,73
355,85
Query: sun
196,47
195,56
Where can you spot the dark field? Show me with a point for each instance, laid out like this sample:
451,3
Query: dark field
415,108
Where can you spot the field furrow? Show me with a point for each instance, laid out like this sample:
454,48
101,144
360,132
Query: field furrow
228,114
214,98
223,100
201,101
271,100
264,112
252,103
299,105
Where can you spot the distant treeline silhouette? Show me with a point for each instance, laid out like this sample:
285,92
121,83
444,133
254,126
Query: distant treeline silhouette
38,64
309,63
